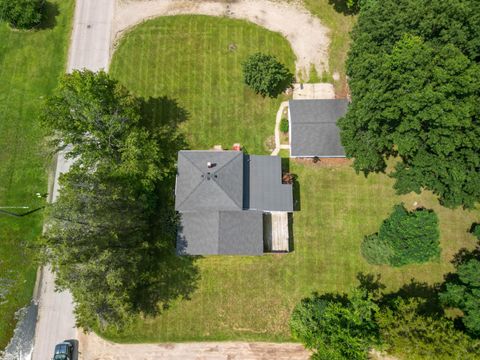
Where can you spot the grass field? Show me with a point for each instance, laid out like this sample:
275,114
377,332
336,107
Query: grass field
334,15
197,60
30,63
251,298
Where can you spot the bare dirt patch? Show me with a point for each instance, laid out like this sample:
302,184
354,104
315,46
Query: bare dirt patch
95,348
307,36
324,162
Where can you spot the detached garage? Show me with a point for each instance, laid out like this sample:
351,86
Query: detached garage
313,130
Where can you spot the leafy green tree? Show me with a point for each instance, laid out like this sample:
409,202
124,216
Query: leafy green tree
109,235
404,238
462,291
415,82
336,327
408,333
101,121
22,14
476,230
266,75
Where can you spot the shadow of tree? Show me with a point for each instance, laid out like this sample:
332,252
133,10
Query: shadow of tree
49,18
169,276
371,284
341,7
421,290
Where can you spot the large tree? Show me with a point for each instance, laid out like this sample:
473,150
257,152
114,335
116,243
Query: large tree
334,327
109,235
407,332
462,290
415,83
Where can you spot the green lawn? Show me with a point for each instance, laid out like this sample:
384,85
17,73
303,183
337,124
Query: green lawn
197,61
251,298
333,14
30,63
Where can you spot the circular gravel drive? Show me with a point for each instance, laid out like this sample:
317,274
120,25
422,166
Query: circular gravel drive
307,36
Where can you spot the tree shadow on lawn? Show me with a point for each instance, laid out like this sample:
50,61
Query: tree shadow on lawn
171,276
49,18
341,7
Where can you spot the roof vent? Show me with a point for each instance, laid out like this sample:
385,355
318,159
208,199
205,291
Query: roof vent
209,165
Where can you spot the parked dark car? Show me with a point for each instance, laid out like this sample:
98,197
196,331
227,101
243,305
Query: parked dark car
63,351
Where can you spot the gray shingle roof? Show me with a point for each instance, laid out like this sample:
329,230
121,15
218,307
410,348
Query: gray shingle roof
266,191
217,188
218,205
313,127
220,232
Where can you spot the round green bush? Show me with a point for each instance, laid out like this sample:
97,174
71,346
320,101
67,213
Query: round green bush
404,238
22,14
284,125
266,75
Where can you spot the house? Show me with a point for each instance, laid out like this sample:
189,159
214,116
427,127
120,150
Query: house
226,201
313,130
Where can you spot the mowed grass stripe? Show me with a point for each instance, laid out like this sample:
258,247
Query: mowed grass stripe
205,77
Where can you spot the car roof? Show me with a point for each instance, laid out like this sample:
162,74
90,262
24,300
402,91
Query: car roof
62,348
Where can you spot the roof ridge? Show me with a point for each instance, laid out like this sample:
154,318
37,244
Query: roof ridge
228,162
220,186
199,183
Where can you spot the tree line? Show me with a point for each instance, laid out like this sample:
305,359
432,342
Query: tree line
414,76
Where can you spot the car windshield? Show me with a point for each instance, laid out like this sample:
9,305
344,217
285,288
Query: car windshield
60,357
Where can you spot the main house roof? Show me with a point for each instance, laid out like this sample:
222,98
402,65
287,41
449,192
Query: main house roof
220,232
313,127
221,196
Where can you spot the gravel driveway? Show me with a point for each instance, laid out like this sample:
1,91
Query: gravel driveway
307,36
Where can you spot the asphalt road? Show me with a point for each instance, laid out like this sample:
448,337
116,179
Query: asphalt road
92,31
90,49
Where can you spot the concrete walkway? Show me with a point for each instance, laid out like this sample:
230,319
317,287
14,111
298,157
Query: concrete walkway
278,119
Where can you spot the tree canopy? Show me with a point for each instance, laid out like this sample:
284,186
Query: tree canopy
462,291
415,85
336,327
266,75
22,14
109,234
408,332
404,238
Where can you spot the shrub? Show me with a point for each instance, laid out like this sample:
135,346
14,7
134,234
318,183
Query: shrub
266,75
22,14
284,125
375,250
336,327
404,238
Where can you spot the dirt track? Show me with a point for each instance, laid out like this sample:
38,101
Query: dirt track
94,348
